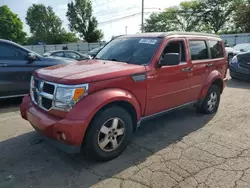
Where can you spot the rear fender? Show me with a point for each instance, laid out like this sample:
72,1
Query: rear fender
87,107
208,82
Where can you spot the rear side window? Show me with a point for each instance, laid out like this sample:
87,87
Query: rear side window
216,49
58,54
198,50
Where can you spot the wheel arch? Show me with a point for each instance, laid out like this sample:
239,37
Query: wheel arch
214,78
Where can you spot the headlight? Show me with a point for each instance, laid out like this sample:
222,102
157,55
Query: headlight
67,96
234,60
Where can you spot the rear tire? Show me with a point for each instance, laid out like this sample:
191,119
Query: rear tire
211,102
109,134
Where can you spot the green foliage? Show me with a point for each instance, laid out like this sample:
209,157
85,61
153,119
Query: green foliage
196,15
217,13
11,27
81,20
242,17
46,26
179,18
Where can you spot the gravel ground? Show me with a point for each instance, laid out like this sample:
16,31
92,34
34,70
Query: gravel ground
181,149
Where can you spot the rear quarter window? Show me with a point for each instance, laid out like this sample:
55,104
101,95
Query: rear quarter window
198,50
216,49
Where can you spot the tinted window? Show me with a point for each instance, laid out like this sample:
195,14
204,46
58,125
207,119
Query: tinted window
198,50
9,52
131,50
216,49
72,55
58,54
176,47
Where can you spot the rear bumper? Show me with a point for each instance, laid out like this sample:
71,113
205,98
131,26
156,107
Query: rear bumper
52,127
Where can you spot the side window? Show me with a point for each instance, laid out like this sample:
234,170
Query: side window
9,52
198,50
71,55
176,47
58,54
216,49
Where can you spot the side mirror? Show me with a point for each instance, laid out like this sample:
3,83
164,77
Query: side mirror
242,50
31,57
170,59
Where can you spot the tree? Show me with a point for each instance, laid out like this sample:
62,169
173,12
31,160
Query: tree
46,26
217,13
11,27
242,17
81,20
181,18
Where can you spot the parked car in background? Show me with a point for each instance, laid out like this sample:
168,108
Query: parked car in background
98,105
16,67
67,54
94,51
241,48
240,66
229,53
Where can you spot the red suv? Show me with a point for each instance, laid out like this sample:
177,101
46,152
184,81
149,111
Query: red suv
97,104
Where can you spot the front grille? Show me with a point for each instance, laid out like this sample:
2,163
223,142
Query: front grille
244,61
36,83
48,88
43,94
46,103
244,65
35,96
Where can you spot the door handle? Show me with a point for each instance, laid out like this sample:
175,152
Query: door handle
3,65
209,65
188,69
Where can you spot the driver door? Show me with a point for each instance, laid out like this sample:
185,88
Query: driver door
15,70
169,86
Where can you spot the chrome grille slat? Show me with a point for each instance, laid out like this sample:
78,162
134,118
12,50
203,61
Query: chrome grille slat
39,96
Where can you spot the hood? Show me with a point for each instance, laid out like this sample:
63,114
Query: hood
88,71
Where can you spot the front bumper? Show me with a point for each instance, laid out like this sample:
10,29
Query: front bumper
240,73
52,127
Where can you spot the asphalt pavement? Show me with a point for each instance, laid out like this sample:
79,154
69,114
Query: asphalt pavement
182,149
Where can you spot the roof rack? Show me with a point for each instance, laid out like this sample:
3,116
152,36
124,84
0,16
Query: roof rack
186,33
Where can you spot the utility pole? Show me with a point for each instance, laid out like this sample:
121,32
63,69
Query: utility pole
142,17
126,30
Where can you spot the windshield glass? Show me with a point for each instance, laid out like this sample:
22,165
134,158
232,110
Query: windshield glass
132,50
245,47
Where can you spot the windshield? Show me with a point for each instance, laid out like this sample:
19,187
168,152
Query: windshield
245,47
132,50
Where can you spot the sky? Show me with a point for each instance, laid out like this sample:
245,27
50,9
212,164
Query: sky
109,13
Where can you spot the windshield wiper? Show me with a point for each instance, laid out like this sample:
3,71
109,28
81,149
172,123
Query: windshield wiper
116,60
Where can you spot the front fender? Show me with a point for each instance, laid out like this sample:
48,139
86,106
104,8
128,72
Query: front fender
87,107
208,82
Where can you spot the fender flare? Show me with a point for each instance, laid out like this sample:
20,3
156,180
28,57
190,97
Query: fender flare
87,107
214,75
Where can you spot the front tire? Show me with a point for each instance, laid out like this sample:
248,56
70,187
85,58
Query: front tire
211,102
109,134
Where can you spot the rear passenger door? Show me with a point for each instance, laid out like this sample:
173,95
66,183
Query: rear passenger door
201,64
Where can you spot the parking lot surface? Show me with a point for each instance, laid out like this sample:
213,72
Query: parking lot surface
182,149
